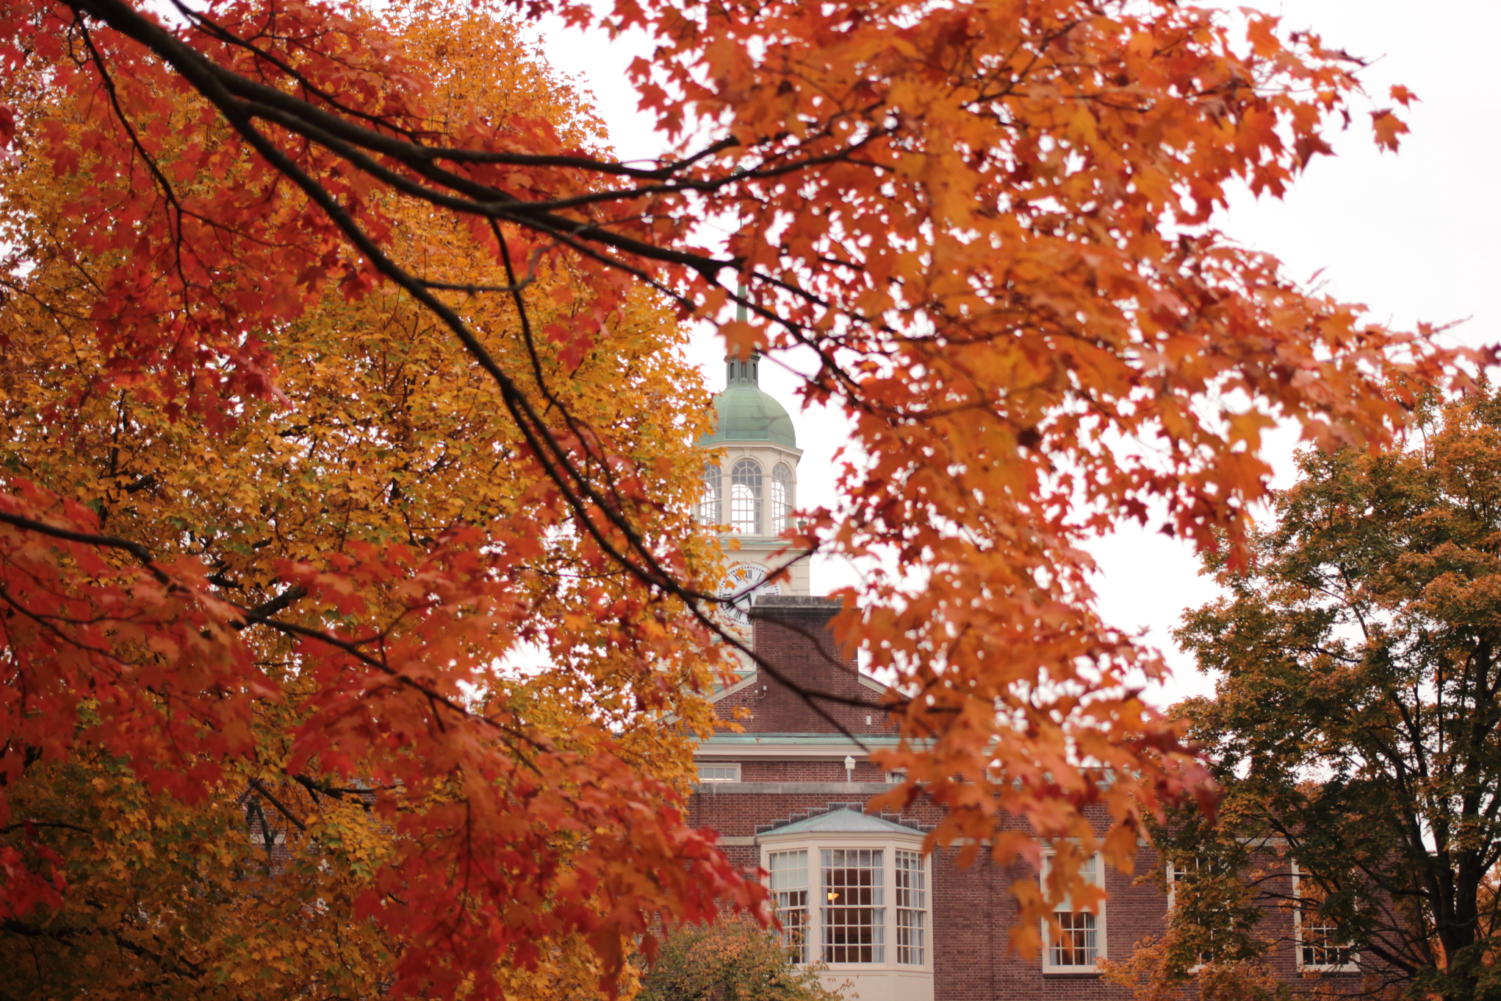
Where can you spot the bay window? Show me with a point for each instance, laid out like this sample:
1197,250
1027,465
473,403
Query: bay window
850,890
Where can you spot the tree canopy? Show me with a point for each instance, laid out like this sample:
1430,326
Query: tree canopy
730,960
348,454
379,501
1356,717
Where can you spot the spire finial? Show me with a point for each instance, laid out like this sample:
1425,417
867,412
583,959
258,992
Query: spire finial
742,370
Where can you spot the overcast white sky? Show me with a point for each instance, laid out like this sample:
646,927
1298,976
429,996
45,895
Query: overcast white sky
1413,236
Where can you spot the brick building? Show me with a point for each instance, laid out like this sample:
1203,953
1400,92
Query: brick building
787,792
852,890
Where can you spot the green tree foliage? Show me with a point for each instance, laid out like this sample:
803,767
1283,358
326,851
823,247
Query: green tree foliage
1356,716
732,960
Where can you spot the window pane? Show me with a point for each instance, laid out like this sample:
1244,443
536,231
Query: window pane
853,915
719,773
745,497
911,908
789,897
781,499
708,502
1184,890
1322,943
1076,942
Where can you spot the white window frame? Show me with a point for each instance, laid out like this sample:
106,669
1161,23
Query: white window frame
747,497
854,917
1174,873
913,905
709,510
727,771
791,896
782,500
887,899
1065,906
1351,965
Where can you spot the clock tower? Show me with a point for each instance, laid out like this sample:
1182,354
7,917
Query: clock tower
750,487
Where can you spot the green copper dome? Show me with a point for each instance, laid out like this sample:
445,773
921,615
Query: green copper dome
745,412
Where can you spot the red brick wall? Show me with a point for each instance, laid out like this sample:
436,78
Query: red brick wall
974,910
793,635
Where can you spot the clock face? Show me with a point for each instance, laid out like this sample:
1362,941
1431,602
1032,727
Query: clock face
742,583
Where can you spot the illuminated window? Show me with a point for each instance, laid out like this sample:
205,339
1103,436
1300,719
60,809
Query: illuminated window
708,512
745,497
781,499
854,891
1079,938
853,916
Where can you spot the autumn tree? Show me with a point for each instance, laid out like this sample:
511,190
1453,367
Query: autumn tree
347,439
1220,931
263,875
729,960
1356,717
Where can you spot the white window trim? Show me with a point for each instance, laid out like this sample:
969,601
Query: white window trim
782,501
1172,875
1353,966
709,510
734,766
753,481
1048,966
890,842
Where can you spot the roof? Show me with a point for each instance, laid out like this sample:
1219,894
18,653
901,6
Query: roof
746,412
834,740
749,413
842,821
781,605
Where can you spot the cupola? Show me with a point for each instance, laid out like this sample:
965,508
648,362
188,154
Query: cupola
744,412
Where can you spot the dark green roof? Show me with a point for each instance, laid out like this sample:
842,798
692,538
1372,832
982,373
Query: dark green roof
746,412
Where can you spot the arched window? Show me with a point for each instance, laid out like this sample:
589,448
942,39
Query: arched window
781,499
708,512
745,497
